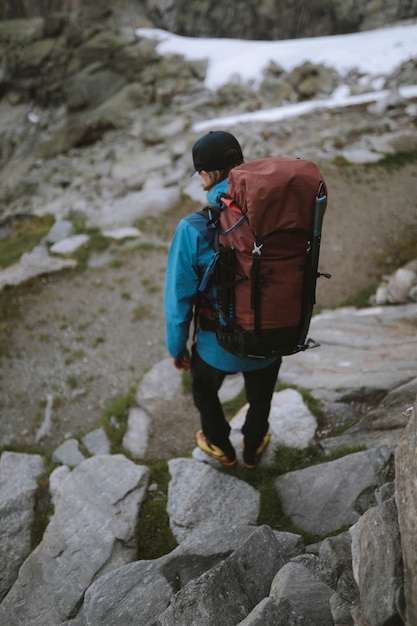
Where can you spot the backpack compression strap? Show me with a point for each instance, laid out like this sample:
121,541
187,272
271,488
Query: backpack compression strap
210,232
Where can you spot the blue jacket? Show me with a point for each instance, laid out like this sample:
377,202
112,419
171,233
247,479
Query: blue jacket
188,257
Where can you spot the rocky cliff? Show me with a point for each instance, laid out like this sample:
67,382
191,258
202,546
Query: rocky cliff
285,19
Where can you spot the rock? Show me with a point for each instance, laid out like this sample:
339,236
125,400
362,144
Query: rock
93,530
135,439
309,80
132,595
31,265
345,359
46,425
123,213
291,544
271,612
337,552
18,485
307,594
400,286
91,86
239,582
397,288
194,505
68,453
145,588
231,387
135,167
123,233
56,480
96,442
390,413
61,229
290,422
320,500
406,500
272,22
69,244
161,383
377,564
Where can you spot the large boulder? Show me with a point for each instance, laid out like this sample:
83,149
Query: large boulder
406,500
18,485
93,530
202,498
377,565
323,498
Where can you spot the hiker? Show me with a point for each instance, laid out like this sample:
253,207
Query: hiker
214,156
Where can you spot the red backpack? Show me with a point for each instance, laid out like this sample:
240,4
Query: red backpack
266,257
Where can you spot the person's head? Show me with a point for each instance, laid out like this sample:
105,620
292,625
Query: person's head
214,155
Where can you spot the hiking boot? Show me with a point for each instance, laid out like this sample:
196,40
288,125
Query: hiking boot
226,455
252,455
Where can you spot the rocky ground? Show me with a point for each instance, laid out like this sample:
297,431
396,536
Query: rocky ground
85,338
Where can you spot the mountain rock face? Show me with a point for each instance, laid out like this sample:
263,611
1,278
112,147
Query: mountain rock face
285,19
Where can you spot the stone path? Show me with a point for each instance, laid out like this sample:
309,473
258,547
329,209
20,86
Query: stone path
374,347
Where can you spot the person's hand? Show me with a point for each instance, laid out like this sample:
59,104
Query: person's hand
182,362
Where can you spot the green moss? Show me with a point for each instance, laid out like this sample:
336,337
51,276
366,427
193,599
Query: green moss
154,534
23,237
361,299
141,312
42,512
10,312
341,161
186,382
96,243
114,419
396,161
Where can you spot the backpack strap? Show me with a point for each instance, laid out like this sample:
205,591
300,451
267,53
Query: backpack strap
255,281
210,232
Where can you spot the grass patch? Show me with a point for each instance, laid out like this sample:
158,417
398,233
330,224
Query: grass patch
396,161
143,311
114,419
9,312
361,299
154,534
96,243
42,512
390,162
9,305
72,381
24,235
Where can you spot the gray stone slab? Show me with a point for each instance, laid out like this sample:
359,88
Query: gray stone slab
375,347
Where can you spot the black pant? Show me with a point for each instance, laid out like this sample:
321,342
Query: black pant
259,387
